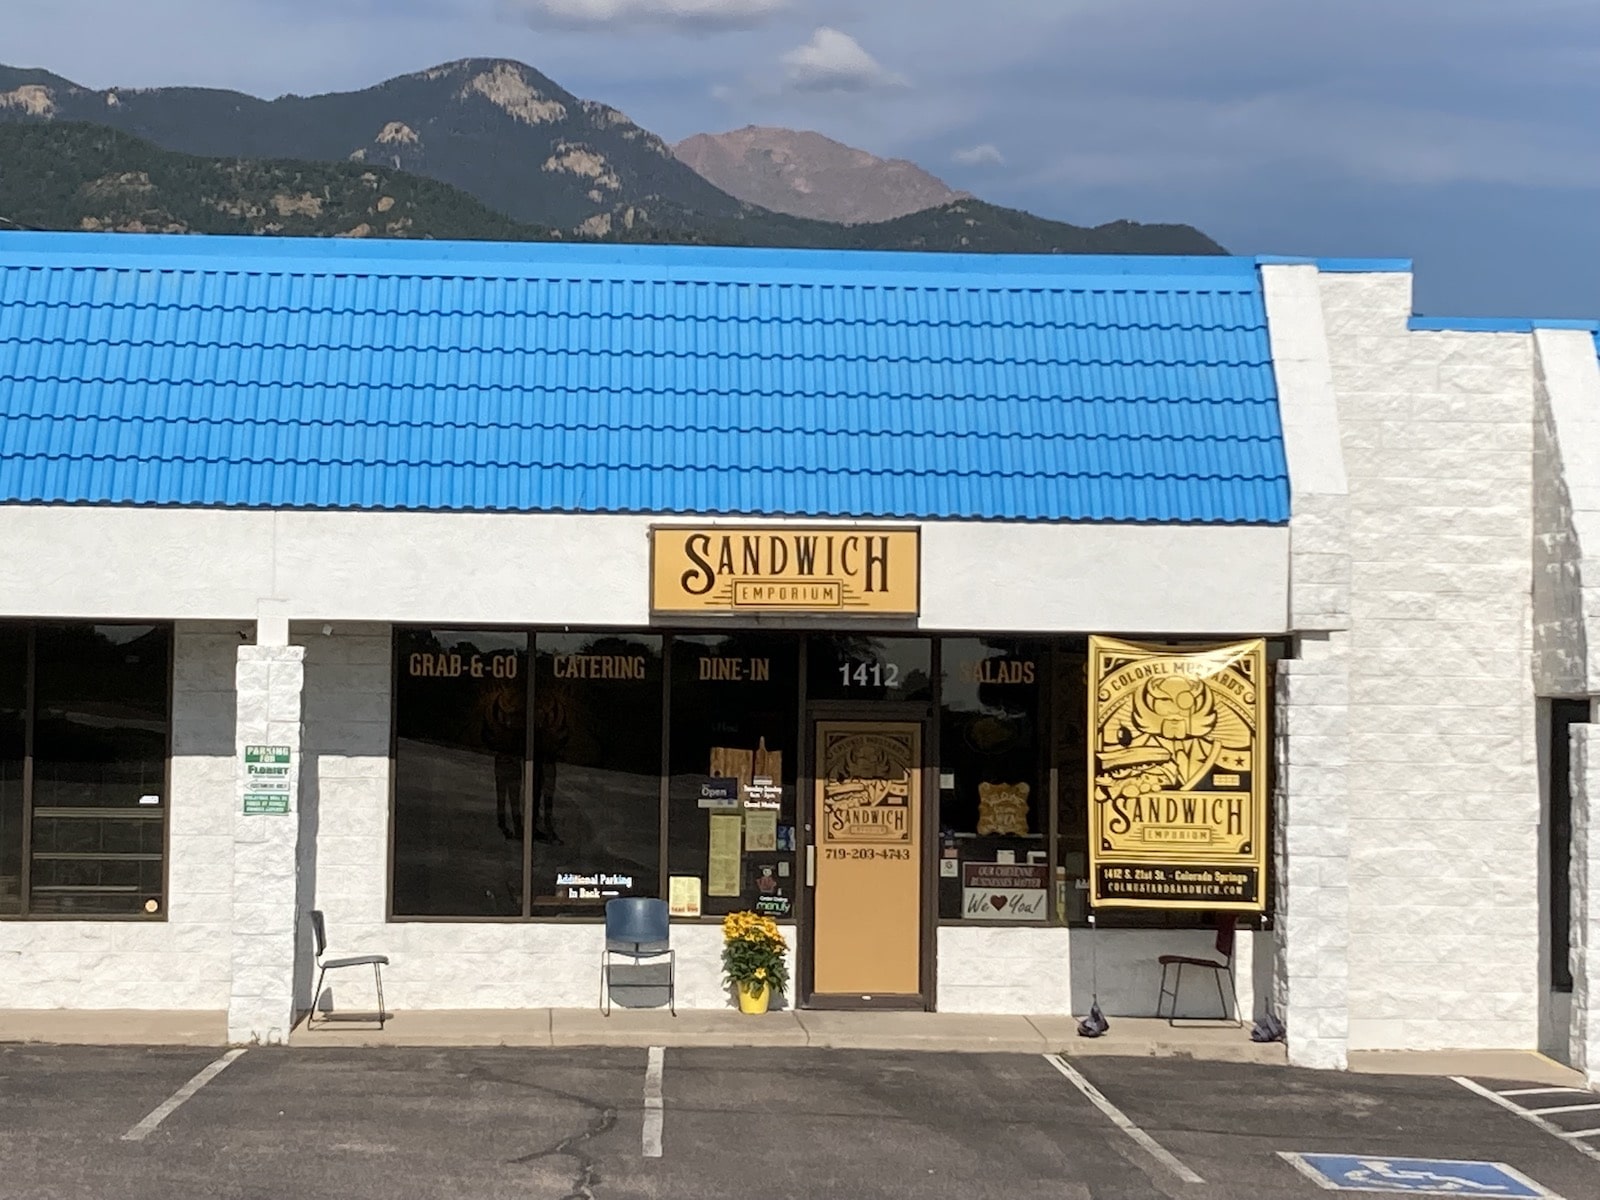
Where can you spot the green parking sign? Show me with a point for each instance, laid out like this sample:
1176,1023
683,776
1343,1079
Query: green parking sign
267,776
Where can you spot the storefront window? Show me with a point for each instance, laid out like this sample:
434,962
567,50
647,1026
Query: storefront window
97,813
461,732
859,667
994,862
596,820
13,749
731,815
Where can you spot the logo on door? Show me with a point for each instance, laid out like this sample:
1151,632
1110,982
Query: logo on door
866,787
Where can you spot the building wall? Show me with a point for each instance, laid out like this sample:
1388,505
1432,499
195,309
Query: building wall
1437,429
983,969
537,569
1310,979
1566,590
1442,434
184,961
1566,606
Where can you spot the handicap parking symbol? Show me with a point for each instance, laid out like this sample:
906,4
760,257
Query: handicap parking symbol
1415,1176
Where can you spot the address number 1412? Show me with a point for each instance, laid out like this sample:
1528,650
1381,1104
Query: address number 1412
877,674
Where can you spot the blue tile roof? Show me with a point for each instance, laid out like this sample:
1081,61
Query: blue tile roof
286,373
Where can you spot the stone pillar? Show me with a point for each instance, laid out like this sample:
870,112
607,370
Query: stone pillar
1585,947
269,680
1311,977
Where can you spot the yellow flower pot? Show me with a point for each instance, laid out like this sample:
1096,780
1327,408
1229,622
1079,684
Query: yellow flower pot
752,1000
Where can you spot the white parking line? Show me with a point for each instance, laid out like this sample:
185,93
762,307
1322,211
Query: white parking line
1541,1091
1578,1133
654,1105
168,1106
1566,1108
1549,1127
1120,1119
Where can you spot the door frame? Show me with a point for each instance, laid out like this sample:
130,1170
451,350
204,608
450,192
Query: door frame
920,713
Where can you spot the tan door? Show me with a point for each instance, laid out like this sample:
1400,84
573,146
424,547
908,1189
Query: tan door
867,903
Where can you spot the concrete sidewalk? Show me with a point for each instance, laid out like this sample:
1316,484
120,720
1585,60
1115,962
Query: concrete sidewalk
1129,1037
837,1030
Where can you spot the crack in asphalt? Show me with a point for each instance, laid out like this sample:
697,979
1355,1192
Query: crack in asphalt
605,1119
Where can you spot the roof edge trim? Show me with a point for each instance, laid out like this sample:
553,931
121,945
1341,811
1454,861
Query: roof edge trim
1496,324
1338,266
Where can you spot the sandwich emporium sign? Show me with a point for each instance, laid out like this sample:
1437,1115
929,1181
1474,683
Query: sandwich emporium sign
1177,776
706,570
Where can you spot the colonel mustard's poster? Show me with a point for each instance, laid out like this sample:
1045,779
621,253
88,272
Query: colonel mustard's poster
1178,776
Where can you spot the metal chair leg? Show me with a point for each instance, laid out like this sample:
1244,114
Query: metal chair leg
1222,999
605,984
1233,986
672,981
377,972
315,996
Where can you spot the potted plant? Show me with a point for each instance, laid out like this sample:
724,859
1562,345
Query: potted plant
752,959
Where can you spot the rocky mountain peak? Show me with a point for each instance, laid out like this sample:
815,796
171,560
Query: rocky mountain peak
806,174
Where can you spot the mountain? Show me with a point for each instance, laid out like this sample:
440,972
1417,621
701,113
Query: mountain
497,129
971,226
807,175
72,175
530,160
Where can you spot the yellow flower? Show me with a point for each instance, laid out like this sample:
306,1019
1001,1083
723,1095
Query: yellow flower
761,972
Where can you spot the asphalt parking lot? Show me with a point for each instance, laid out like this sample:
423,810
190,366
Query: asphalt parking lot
86,1123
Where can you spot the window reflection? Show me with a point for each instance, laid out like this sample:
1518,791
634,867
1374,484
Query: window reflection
461,733
858,667
13,729
993,813
99,768
596,824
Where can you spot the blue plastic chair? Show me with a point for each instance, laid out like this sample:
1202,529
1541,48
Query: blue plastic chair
638,929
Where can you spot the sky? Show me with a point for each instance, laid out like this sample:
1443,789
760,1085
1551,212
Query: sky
1461,134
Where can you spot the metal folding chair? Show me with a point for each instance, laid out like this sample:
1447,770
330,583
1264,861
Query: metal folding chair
1222,965
639,929
377,962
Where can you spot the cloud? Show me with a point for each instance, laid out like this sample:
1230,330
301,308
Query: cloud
986,154
699,14
835,62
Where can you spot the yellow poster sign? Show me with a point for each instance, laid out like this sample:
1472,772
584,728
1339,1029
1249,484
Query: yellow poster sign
705,570
1178,776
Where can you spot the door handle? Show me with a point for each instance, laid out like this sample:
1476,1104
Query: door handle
811,866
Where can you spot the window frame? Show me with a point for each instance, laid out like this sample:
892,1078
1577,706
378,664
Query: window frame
30,722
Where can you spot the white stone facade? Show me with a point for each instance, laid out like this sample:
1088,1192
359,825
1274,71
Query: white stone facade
1584,1047
1438,578
1437,429
1311,801
267,861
